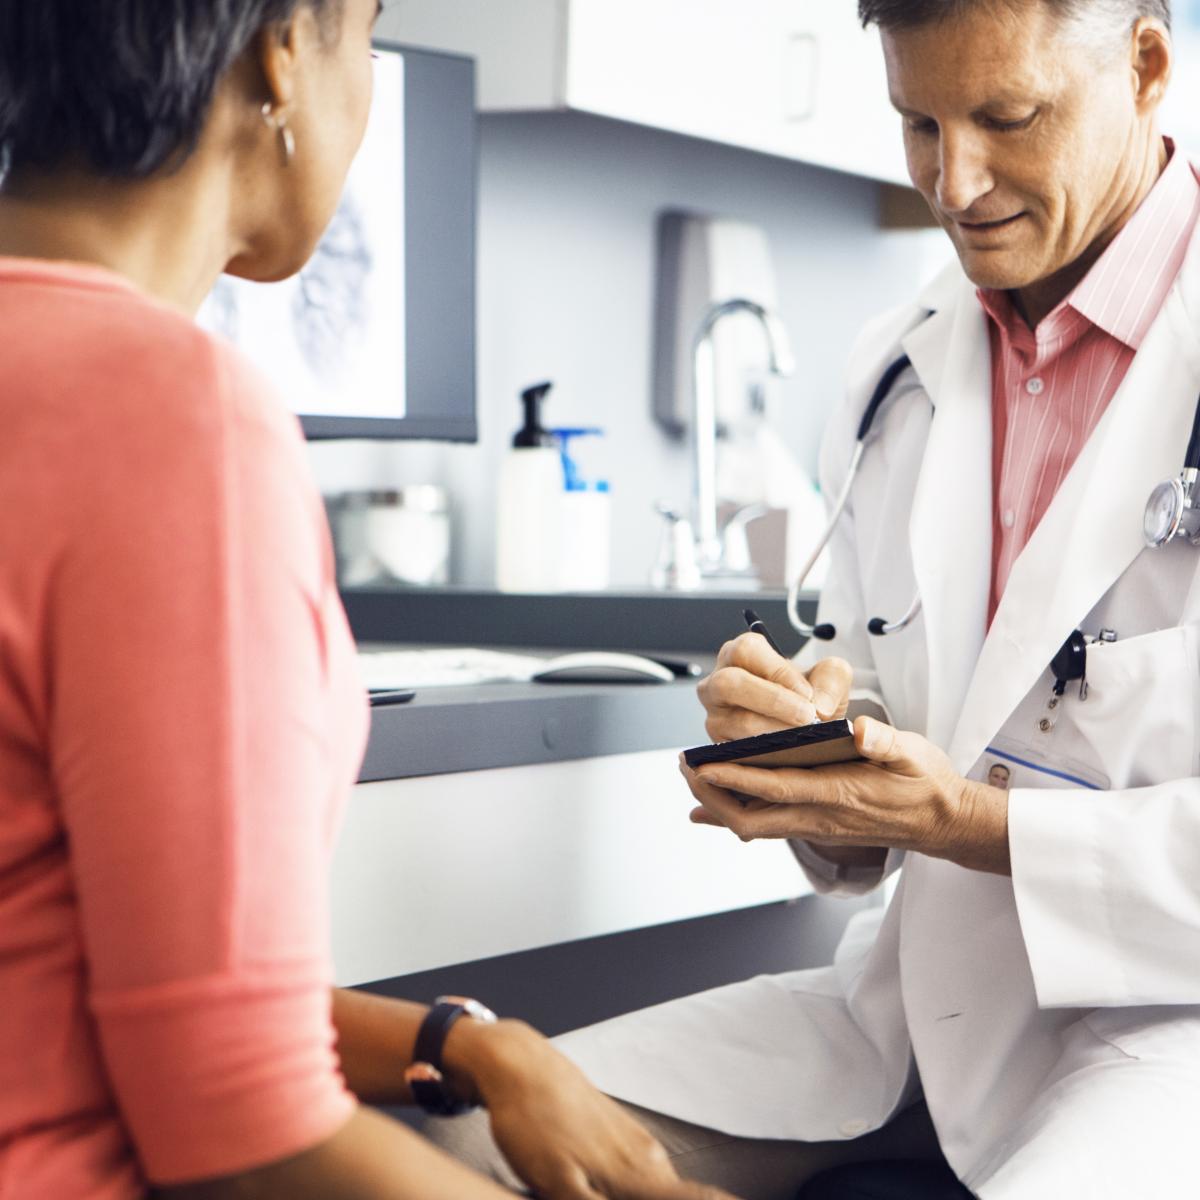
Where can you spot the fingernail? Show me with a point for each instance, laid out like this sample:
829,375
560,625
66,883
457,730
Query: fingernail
824,703
870,737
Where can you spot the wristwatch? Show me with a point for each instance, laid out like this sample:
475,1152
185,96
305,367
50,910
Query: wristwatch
426,1075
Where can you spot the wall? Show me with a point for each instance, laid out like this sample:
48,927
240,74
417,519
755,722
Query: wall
568,205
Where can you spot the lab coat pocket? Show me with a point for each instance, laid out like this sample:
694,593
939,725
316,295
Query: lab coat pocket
1139,720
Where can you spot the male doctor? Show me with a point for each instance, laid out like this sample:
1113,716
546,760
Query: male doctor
1034,985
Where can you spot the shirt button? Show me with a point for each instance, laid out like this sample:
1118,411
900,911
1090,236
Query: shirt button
1010,518
1035,386
854,1127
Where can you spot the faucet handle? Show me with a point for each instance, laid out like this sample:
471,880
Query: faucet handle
675,569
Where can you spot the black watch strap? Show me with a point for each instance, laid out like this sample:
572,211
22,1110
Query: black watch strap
426,1076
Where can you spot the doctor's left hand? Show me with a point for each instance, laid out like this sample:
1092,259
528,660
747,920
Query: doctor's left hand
907,795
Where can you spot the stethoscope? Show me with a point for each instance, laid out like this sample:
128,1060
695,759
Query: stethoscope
1173,511
876,625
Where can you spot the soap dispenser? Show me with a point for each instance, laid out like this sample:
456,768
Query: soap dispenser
528,510
586,522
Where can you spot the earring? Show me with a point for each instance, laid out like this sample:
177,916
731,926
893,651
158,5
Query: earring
287,139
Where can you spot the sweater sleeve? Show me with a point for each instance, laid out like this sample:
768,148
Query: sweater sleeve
198,750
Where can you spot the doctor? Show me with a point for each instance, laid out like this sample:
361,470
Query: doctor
1035,982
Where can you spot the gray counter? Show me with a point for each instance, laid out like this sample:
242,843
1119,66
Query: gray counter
446,730
512,724
679,622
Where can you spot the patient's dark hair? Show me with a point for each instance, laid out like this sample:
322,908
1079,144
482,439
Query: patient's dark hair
909,14
118,87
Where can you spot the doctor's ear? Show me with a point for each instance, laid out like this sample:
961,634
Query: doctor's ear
1153,58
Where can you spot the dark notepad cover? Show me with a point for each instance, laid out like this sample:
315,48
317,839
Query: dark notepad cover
815,745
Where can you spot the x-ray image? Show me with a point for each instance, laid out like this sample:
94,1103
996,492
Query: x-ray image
333,338
331,307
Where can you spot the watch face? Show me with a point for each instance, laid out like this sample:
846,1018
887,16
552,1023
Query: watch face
1163,511
472,1008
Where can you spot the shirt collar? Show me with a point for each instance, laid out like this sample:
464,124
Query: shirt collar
1119,294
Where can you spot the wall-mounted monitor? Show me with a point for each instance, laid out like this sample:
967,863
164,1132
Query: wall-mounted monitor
375,338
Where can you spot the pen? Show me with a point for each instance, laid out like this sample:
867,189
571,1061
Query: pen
755,624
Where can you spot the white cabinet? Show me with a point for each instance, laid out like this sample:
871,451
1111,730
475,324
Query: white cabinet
796,78
452,868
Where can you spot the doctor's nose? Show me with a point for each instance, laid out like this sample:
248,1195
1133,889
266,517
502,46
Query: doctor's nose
964,174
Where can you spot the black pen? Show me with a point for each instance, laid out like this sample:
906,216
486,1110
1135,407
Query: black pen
755,624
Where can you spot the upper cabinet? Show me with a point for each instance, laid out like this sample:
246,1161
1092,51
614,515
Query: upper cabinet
796,78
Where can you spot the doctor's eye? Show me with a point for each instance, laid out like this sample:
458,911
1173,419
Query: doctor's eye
1012,126
921,125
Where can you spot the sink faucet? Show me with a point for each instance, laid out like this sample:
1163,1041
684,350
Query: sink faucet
709,549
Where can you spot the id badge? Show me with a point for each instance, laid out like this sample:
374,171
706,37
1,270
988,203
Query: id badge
1008,763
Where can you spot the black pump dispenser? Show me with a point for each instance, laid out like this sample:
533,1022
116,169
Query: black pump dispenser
533,433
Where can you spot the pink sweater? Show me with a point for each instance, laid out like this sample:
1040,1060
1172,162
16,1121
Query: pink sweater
180,723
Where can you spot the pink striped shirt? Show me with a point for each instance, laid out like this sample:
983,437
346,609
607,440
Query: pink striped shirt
1051,385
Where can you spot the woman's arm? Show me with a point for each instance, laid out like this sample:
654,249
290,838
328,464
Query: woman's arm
369,1158
375,1039
563,1137
560,1134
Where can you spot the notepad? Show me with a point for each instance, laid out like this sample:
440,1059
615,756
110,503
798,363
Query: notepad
816,745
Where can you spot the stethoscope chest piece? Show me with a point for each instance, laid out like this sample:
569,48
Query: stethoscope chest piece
1171,512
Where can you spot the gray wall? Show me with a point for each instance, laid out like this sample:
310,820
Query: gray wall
568,205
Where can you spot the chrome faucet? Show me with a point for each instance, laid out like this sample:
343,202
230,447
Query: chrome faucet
709,547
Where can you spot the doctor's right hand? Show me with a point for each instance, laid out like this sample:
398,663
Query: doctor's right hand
754,690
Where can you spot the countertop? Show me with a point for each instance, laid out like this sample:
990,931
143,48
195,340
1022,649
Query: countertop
489,725
485,726
670,622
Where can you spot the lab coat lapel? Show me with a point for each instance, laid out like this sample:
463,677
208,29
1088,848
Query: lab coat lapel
950,531
1092,530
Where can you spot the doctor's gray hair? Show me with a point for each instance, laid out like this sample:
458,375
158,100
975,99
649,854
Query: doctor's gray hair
1094,21
121,88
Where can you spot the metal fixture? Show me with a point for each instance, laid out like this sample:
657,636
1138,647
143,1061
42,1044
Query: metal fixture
709,548
675,569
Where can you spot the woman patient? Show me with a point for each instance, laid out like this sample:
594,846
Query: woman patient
180,721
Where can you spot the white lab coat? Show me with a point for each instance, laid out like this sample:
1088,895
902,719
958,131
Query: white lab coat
1054,1017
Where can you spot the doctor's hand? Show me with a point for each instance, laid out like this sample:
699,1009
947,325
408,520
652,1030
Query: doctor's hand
753,690
907,795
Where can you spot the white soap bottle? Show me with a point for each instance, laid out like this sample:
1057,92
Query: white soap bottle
528,510
585,532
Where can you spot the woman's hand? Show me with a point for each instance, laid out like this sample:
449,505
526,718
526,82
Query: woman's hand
753,690
907,795
564,1138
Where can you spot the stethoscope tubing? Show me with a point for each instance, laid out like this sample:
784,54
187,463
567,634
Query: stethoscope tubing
802,627
876,626
1184,504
